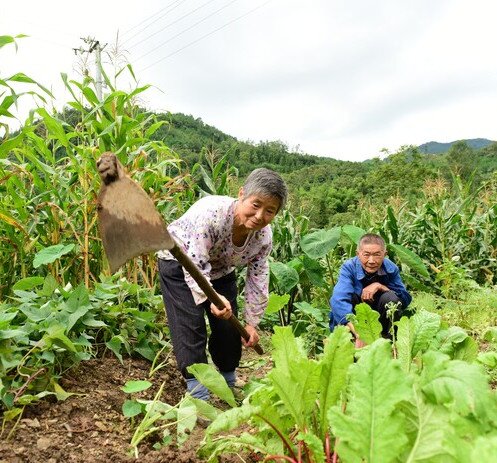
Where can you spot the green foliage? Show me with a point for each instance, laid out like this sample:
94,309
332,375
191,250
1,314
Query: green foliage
213,380
47,328
48,180
366,322
424,405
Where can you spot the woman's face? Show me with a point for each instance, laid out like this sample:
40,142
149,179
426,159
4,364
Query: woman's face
255,212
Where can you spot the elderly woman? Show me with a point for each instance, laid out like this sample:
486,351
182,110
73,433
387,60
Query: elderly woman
220,233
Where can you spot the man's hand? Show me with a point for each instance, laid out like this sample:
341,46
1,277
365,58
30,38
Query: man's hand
254,336
358,343
224,313
369,291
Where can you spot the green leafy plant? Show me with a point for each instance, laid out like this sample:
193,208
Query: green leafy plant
431,401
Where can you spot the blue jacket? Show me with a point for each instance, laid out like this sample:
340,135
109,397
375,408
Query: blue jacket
350,282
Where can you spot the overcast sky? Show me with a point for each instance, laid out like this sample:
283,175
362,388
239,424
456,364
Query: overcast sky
342,79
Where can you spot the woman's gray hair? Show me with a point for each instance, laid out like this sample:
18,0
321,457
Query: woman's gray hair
266,182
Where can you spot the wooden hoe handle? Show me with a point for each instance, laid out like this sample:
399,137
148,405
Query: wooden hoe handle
209,291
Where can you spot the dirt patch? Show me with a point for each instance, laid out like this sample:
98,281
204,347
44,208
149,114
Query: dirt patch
90,427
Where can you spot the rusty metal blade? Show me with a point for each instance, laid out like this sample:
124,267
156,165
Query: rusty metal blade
129,223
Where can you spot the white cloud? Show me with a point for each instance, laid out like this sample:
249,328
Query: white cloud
337,78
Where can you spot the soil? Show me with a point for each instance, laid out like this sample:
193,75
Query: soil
90,427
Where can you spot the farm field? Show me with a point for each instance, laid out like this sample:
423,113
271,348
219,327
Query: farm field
86,365
90,427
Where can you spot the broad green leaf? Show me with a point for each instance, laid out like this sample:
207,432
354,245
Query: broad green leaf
236,445
5,39
6,318
366,323
51,254
308,309
491,334
488,359
37,313
55,335
76,316
409,258
49,286
485,449
136,386
10,334
425,327
78,298
350,236
295,377
430,430
204,408
404,342
286,277
276,302
286,348
115,346
320,243
232,418
466,350
456,383
28,283
131,408
314,272
213,380
338,355
187,417
446,340
371,429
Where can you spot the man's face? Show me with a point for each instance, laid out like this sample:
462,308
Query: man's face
371,257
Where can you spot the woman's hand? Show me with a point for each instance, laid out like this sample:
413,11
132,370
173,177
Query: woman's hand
254,336
223,313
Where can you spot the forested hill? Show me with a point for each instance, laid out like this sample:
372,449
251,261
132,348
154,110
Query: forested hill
190,137
328,190
434,147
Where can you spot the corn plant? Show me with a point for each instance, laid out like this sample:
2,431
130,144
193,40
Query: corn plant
49,180
447,227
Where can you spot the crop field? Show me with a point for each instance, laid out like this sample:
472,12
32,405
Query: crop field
87,372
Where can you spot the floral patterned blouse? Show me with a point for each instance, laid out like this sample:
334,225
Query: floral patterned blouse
204,233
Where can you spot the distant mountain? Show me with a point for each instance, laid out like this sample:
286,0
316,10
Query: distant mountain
434,147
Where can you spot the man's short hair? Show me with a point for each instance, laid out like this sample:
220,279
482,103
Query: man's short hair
371,238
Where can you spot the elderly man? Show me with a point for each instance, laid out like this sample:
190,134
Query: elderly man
371,278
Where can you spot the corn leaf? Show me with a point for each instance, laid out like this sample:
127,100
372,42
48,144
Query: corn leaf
409,258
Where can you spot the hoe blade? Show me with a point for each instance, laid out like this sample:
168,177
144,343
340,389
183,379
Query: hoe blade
128,221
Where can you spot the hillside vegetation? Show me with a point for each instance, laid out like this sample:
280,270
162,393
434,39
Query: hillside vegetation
326,190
